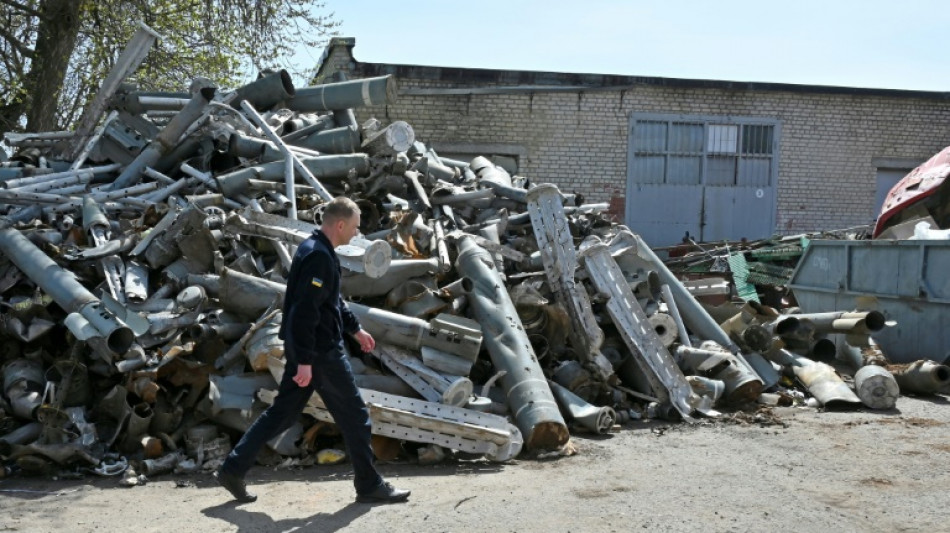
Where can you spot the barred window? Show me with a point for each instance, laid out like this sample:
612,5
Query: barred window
703,151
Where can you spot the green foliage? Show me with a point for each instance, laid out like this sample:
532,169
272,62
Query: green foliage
227,41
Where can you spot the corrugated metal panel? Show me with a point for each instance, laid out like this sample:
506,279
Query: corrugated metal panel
685,170
650,136
686,138
910,281
720,170
649,207
754,172
731,213
649,169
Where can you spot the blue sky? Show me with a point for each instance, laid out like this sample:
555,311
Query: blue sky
872,43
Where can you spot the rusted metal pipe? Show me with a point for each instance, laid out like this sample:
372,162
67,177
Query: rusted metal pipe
58,179
432,385
16,197
590,417
166,140
59,453
93,140
409,332
137,103
399,271
696,318
454,198
396,137
23,382
248,295
308,124
24,434
675,313
266,91
876,387
862,350
825,385
851,322
344,95
921,377
741,385
131,57
535,410
289,156
323,167
65,290
782,325
488,172
820,379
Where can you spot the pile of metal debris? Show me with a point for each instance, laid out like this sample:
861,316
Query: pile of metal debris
142,276
757,271
916,208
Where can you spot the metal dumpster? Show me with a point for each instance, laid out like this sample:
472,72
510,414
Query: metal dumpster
910,281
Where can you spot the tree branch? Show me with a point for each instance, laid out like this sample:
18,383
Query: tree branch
10,116
14,42
22,7
12,66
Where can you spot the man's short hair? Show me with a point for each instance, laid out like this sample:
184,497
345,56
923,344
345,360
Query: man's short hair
339,208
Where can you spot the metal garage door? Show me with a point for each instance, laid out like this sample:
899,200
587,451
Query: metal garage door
713,177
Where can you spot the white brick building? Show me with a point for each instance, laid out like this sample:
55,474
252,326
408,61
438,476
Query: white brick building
720,159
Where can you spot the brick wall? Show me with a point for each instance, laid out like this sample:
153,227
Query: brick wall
578,140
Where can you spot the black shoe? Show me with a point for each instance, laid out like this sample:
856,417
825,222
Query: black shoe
385,493
235,486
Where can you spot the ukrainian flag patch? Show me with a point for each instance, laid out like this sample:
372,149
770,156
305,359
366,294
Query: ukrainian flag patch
316,282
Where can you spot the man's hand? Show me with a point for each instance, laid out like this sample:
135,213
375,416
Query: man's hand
304,374
367,342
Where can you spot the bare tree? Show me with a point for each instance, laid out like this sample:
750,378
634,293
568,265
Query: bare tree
53,53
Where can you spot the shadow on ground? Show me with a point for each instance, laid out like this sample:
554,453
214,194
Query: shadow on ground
254,521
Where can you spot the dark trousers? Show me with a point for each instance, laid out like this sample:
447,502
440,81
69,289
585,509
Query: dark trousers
333,381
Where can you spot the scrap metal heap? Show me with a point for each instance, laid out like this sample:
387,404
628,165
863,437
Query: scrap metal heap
757,271
143,269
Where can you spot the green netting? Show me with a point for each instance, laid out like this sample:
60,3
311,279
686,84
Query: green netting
778,253
759,278
772,270
740,276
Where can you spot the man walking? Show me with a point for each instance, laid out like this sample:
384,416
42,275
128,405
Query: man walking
314,320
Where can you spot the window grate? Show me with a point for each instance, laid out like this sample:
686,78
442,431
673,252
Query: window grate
708,151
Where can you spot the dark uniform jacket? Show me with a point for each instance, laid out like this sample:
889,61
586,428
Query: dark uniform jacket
315,315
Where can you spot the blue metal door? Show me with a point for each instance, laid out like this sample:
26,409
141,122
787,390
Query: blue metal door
710,178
